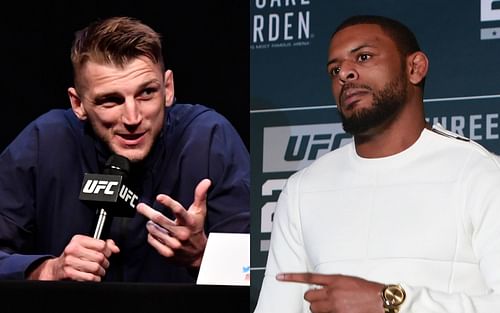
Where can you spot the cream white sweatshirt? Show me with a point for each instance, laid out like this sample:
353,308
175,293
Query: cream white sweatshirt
427,218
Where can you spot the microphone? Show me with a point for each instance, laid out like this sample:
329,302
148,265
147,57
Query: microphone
109,193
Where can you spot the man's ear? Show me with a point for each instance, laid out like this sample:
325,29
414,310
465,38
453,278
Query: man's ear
169,88
76,104
417,66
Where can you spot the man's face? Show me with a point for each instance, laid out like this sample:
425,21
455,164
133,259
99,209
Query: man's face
368,77
125,106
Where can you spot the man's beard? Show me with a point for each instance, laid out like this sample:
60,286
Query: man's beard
386,104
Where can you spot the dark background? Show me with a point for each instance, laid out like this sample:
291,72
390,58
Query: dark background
205,44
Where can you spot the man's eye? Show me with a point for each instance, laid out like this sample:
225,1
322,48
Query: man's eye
364,57
148,92
334,71
109,101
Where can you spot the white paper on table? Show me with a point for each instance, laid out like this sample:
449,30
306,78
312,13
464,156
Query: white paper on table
226,260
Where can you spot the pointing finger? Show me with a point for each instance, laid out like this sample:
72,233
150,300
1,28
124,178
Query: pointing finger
154,215
307,278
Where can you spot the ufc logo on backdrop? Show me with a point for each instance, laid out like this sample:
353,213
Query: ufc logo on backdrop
290,148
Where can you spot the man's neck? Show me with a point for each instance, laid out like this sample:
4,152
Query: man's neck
392,137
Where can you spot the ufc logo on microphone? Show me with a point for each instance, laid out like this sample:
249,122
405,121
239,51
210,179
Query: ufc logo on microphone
95,186
128,196
108,191
100,187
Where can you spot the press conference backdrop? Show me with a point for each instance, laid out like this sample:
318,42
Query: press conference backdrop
293,116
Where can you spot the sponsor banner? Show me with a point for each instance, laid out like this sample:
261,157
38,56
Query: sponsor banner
280,24
476,118
295,146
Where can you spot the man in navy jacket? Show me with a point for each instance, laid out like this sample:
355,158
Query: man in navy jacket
189,168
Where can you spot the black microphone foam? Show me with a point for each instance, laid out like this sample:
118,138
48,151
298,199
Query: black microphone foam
117,165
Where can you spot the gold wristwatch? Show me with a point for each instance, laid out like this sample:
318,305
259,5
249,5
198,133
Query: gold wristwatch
393,297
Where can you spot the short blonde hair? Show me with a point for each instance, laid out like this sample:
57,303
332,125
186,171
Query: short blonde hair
117,41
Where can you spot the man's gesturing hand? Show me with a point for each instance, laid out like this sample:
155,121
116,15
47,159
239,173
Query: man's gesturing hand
338,293
183,239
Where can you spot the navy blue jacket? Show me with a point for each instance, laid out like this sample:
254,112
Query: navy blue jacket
41,174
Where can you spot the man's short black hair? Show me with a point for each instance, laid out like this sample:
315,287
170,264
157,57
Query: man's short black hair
403,37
